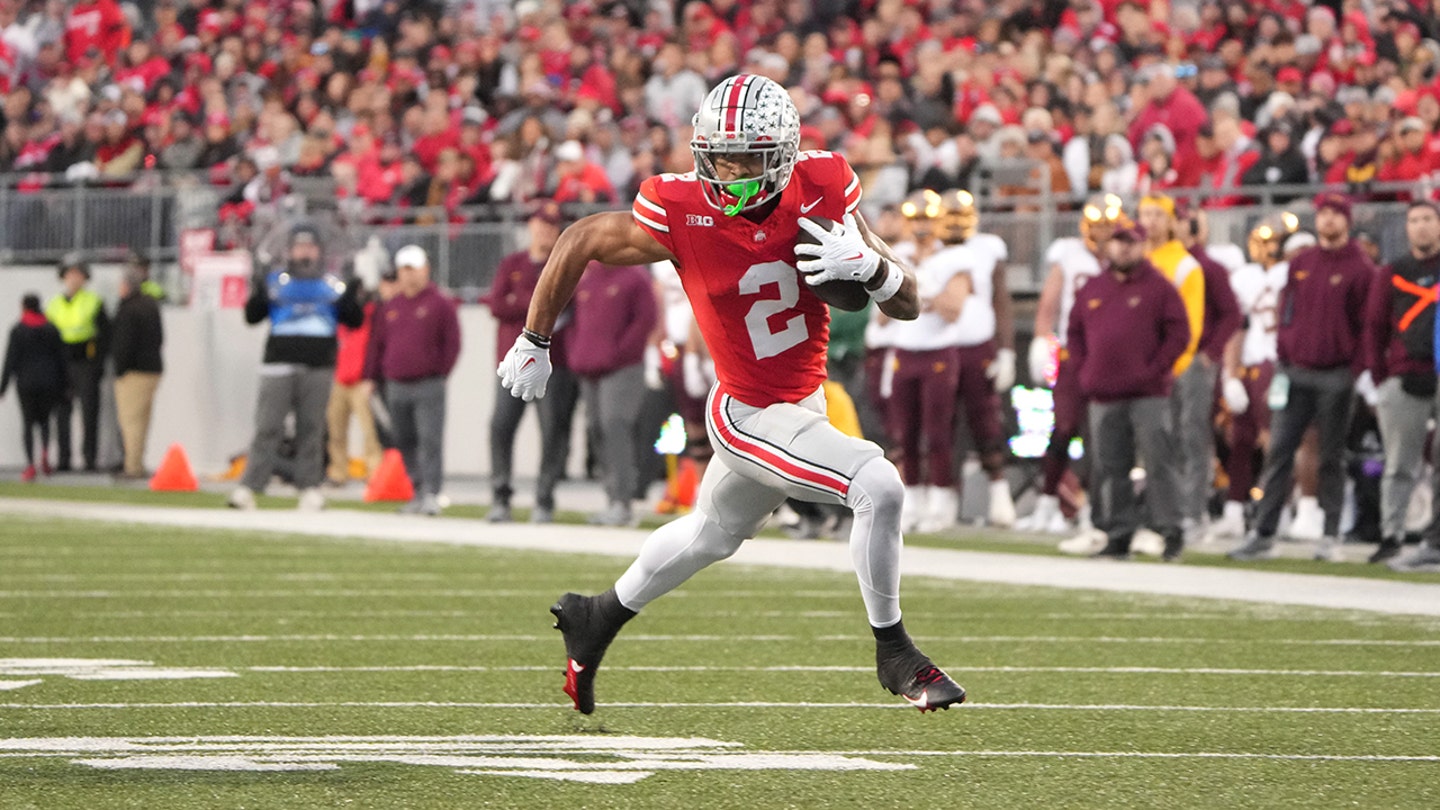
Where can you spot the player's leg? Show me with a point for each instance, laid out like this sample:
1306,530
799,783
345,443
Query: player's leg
982,414
730,508
793,449
937,426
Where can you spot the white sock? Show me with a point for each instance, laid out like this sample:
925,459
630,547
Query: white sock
876,494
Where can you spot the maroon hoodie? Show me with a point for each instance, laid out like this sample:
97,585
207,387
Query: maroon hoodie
1126,334
1222,310
413,338
1322,308
615,311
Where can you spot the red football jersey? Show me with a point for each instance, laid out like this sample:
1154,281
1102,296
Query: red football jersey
766,330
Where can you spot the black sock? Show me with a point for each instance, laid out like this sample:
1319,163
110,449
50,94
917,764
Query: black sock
611,609
893,635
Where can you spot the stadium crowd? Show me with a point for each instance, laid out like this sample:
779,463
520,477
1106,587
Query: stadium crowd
426,104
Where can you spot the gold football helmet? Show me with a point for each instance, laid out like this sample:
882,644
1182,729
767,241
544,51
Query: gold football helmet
1100,217
922,212
961,217
1268,238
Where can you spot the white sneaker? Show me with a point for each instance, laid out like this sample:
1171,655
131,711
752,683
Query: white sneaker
1309,522
1147,542
1084,544
913,508
242,498
1002,506
942,510
1230,525
1057,524
1327,549
1046,506
311,500
430,506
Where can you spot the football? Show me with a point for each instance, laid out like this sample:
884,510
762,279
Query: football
847,295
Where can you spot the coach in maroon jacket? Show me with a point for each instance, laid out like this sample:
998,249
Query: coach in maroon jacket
1127,329
615,311
414,344
1321,322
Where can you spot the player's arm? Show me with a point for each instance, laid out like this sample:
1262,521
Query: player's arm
1047,310
951,300
609,238
904,305
1004,309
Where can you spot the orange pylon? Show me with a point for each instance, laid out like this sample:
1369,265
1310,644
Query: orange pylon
174,473
390,483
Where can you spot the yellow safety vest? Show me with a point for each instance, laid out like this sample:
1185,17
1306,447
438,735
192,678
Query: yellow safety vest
75,317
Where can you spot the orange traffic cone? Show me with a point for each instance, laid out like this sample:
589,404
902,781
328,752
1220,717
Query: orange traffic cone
390,483
174,473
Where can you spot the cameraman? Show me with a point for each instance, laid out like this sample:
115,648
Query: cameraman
305,306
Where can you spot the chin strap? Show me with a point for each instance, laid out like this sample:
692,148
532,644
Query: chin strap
743,192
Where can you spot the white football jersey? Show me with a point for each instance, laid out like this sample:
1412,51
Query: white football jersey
677,314
929,330
1077,266
1258,292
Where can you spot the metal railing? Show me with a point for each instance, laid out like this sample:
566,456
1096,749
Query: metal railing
38,225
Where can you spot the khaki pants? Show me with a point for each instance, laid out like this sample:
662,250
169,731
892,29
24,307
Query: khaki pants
134,394
347,401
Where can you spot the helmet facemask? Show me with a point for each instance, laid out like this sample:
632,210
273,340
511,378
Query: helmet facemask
748,116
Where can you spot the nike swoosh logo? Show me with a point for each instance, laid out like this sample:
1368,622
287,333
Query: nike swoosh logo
922,703
576,667
855,258
526,364
805,209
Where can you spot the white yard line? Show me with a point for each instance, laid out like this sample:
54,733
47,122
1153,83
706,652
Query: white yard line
1250,585
1284,673
707,638
741,704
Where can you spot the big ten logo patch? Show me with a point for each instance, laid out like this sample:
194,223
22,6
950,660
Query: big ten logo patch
700,220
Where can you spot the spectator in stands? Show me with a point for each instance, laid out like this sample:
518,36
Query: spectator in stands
413,348
578,179
95,24
1127,331
615,312
79,313
509,301
1400,341
138,338
1170,104
35,359
1321,321
1412,157
1280,162
305,306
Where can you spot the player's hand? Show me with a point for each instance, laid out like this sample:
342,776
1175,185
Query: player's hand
841,254
653,380
525,371
1237,399
1039,358
1001,370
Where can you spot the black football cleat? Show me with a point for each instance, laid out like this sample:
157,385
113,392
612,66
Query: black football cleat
911,675
589,624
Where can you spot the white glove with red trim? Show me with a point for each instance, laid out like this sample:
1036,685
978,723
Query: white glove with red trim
839,254
525,371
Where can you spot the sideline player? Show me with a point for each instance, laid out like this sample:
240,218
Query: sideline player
732,228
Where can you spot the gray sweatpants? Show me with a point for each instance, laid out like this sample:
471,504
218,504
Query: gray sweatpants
1402,420
1321,396
305,392
612,414
1121,434
1193,404
556,409
417,417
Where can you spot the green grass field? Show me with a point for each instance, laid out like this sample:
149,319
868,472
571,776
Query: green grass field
425,676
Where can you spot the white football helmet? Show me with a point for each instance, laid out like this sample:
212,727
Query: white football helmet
751,115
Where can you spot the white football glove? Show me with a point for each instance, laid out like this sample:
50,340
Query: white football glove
841,255
525,371
653,380
697,381
1237,399
1001,370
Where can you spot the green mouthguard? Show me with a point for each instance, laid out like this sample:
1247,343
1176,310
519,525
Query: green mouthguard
743,191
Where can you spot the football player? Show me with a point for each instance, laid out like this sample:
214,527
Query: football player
732,228
1072,261
1250,364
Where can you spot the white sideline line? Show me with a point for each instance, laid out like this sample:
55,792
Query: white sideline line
1149,755
422,704
474,637
1307,673
371,593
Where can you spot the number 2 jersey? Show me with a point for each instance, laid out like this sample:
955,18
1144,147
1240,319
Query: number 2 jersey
765,328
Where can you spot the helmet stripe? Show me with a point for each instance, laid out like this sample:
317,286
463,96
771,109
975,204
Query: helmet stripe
732,102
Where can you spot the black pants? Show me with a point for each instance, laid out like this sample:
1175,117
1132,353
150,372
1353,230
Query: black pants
35,409
1324,397
557,410
84,384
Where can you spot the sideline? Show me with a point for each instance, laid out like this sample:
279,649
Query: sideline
1345,593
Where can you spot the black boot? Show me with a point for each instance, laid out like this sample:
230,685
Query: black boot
1174,545
1389,547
